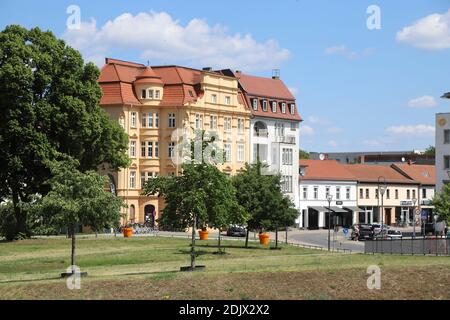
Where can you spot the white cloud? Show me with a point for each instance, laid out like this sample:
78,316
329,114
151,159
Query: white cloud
422,102
346,52
306,130
431,32
412,130
157,36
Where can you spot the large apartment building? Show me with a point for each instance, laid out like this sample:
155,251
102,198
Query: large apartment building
152,102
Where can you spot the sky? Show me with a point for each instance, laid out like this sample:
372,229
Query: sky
365,78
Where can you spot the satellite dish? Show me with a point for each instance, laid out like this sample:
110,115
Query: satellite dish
321,156
403,159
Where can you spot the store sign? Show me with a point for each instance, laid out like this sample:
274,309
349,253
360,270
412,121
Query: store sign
406,203
425,202
339,203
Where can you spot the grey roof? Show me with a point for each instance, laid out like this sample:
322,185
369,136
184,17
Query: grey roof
354,209
317,208
338,209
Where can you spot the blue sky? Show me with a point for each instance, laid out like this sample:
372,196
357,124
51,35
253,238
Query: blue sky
357,89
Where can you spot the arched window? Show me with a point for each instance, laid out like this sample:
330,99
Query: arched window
132,214
260,129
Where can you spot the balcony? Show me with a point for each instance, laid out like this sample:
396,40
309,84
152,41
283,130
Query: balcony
285,139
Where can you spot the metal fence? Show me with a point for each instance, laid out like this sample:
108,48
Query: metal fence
438,246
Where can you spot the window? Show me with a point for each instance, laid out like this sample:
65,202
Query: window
287,156
227,100
150,149
133,119
156,149
198,121
286,185
132,179
264,105
143,94
367,194
347,193
143,149
171,120
414,194
283,107
361,193
156,94
255,104
292,108
388,194
150,120
227,152
294,126
213,122
446,136
316,193
144,120
279,129
171,149
327,192
407,194
338,193
213,98
376,193
446,162
150,94
227,123
240,152
156,120
132,214
424,193
274,106
240,126
396,193
133,149
142,179
191,94
305,192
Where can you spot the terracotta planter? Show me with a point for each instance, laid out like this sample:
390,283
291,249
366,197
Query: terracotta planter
264,238
203,235
127,232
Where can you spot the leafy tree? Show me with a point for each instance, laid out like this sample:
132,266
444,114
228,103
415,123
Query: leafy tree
302,154
441,202
49,105
430,151
78,198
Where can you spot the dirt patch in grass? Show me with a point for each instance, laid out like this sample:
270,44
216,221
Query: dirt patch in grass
396,283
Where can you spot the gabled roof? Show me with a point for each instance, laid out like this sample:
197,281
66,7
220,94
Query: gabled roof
371,173
425,174
329,170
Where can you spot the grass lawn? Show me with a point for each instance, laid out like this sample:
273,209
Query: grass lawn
148,268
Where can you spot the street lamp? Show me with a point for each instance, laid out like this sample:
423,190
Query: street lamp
381,192
329,198
414,200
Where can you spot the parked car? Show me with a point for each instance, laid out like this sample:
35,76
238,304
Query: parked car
362,232
377,227
236,231
390,234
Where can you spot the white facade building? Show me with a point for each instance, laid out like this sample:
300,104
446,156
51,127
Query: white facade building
442,144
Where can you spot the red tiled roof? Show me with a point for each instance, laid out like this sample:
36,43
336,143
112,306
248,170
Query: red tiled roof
325,170
425,174
371,173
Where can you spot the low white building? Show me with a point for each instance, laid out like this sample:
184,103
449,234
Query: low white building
319,178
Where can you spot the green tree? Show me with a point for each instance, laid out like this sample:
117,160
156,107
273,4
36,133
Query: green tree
430,151
441,203
49,105
78,198
302,154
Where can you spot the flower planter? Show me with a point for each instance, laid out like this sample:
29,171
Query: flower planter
203,235
127,232
264,238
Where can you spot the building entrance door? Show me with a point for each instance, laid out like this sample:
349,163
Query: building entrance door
388,216
149,215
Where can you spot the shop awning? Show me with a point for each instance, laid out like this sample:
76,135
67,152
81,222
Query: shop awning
338,210
354,209
320,209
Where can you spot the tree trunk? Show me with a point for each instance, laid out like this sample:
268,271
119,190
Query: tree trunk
276,237
246,237
286,234
220,245
21,219
72,258
193,244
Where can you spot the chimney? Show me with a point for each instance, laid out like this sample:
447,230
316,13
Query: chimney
207,69
238,71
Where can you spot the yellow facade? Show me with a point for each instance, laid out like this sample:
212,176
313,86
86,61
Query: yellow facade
219,99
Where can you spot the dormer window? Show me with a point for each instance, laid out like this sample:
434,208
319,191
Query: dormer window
283,107
292,108
150,94
255,104
264,105
156,94
191,94
143,94
274,106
